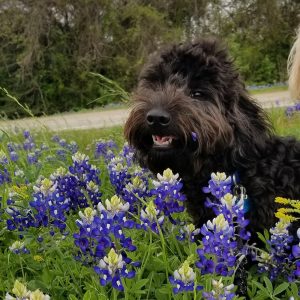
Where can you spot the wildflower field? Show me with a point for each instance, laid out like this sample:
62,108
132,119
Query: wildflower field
79,220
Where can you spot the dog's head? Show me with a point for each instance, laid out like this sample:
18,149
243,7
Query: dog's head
189,105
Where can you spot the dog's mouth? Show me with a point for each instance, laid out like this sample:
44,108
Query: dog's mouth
163,142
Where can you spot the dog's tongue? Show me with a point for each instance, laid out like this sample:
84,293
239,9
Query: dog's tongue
162,140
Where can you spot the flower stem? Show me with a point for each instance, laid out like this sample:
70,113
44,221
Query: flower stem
21,265
163,244
147,256
115,294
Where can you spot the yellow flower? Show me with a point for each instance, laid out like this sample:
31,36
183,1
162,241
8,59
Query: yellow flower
38,258
285,212
20,191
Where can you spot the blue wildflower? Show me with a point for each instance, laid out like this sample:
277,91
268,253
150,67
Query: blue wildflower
219,291
188,232
19,247
150,218
278,261
219,185
112,268
3,158
167,194
218,240
104,149
184,279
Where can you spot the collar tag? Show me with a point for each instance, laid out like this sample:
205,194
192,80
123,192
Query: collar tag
240,192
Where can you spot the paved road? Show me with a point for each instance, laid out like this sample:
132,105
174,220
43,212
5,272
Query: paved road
109,118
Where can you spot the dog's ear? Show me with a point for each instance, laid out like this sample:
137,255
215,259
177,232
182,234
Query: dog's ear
252,128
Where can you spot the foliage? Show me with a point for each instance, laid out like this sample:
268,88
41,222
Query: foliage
48,48
150,241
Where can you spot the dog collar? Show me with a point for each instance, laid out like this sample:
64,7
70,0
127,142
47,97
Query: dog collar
240,191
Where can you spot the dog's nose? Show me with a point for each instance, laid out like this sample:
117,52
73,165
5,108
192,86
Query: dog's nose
158,117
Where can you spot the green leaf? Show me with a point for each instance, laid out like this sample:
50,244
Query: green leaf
72,297
262,289
294,289
268,285
261,237
282,287
90,295
138,285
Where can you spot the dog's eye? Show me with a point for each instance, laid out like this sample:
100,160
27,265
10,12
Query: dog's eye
196,94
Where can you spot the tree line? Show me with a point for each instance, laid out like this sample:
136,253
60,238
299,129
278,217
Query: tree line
48,48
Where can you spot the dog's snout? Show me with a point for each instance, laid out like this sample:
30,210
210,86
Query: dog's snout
158,117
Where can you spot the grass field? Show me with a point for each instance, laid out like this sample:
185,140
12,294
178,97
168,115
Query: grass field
56,239
270,89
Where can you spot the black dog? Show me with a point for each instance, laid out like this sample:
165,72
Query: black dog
192,113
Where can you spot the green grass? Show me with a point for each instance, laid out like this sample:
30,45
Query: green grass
285,126
269,90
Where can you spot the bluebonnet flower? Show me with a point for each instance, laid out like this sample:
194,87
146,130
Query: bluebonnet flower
62,142
50,205
32,158
83,169
3,158
136,189
98,226
28,144
26,134
297,269
13,156
290,110
21,293
21,217
61,154
189,232
219,185
55,138
194,136
113,207
104,149
278,261
64,147
73,147
220,248
296,248
232,207
219,291
150,218
53,198
184,279
218,240
115,214
167,195
19,290
118,174
112,268
18,247
100,231
122,171
18,172
4,176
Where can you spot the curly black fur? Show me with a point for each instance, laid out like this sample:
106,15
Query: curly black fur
199,90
